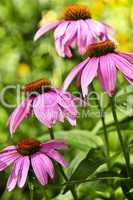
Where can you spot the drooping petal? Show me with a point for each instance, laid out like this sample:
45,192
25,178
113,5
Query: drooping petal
71,119
39,169
70,33
82,35
123,65
48,165
12,180
53,144
66,103
60,30
57,157
73,74
8,158
59,47
45,29
46,109
127,56
19,114
23,172
88,74
129,80
107,74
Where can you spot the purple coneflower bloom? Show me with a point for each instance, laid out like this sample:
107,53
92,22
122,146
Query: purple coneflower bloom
76,29
103,61
48,104
34,153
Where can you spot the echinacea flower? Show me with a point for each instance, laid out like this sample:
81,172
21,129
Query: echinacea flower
76,29
103,61
48,104
34,156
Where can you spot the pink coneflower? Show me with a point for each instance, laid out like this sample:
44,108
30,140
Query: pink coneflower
48,104
31,155
76,29
103,61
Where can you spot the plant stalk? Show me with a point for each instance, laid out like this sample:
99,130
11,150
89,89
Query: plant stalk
73,191
125,154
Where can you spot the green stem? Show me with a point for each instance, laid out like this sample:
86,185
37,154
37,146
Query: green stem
104,126
31,189
73,191
125,154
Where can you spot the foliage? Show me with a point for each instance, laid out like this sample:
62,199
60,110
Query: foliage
22,60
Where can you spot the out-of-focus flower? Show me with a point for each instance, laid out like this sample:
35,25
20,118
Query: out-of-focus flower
76,29
50,16
48,104
125,41
23,69
103,61
31,154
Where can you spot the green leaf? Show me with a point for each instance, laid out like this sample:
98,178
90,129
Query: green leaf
87,166
79,139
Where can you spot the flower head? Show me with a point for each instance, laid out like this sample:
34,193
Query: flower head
103,61
30,154
77,28
48,104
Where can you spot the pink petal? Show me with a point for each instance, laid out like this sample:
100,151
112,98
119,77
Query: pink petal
23,172
107,74
88,74
7,159
48,165
82,35
53,144
73,74
67,103
59,47
127,56
39,169
57,157
45,29
71,119
12,180
70,33
19,114
123,65
46,109
60,30
67,51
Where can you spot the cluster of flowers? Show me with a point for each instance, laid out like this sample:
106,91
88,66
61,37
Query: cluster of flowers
50,105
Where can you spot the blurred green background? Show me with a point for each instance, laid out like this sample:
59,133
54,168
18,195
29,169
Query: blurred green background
22,61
